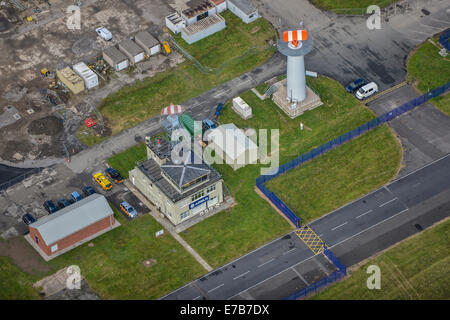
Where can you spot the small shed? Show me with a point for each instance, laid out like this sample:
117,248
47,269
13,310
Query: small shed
221,5
72,225
115,58
90,77
203,28
71,80
198,10
175,23
134,53
147,42
244,9
242,108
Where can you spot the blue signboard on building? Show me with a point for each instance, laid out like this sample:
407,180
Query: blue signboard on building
198,202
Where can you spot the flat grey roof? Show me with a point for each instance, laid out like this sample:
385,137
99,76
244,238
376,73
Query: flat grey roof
244,5
83,213
147,39
115,55
130,47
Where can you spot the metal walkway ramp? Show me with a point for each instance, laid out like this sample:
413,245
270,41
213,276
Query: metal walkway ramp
311,239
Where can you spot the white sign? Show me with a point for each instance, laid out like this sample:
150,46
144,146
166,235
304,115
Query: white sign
159,233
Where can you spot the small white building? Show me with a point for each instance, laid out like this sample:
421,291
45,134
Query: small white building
233,146
116,59
221,5
244,9
147,42
204,28
198,10
242,108
175,23
90,77
134,53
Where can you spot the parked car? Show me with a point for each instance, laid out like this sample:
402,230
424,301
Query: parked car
355,85
104,33
128,209
366,91
208,124
103,181
88,190
75,196
114,175
28,219
50,206
62,203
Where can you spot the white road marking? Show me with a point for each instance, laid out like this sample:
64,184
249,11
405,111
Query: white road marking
300,276
196,298
216,287
339,226
427,25
383,204
442,21
364,214
356,234
416,185
266,262
241,275
419,32
289,251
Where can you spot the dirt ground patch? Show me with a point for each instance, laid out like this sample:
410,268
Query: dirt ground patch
23,255
50,126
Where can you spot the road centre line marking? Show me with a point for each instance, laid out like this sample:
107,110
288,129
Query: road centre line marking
383,204
266,262
339,226
289,251
216,287
196,297
356,234
241,275
364,213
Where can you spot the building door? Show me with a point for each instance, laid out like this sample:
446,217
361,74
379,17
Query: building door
36,239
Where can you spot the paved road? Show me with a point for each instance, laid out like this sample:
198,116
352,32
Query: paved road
351,226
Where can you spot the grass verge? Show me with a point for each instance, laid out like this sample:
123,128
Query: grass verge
114,266
253,222
340,175
126,161
415,269
429,71
14,283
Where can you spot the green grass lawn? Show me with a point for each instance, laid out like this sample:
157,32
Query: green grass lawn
14,283
416,269
430,71
253,222
126,161
340,175
228,51
349,4
114,267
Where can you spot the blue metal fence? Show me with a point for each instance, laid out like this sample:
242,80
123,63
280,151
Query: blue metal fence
388,116
316,285
444,39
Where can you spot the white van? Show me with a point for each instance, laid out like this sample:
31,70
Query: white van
366,90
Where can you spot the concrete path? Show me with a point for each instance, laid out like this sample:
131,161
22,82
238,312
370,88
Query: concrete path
166,225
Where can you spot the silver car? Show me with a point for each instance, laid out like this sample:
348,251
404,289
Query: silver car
104,33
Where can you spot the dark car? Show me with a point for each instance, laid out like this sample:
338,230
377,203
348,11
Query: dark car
28,219
87,190
75,196
114,174
355,85
62,203
50,206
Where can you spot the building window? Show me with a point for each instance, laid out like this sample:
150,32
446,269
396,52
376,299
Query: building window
54,248
184,215
198,195
211,188
36,239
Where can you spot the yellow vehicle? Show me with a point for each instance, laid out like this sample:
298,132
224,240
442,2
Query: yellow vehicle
103,181
45,72
166,47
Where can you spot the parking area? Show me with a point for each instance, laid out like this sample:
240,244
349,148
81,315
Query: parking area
53,183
